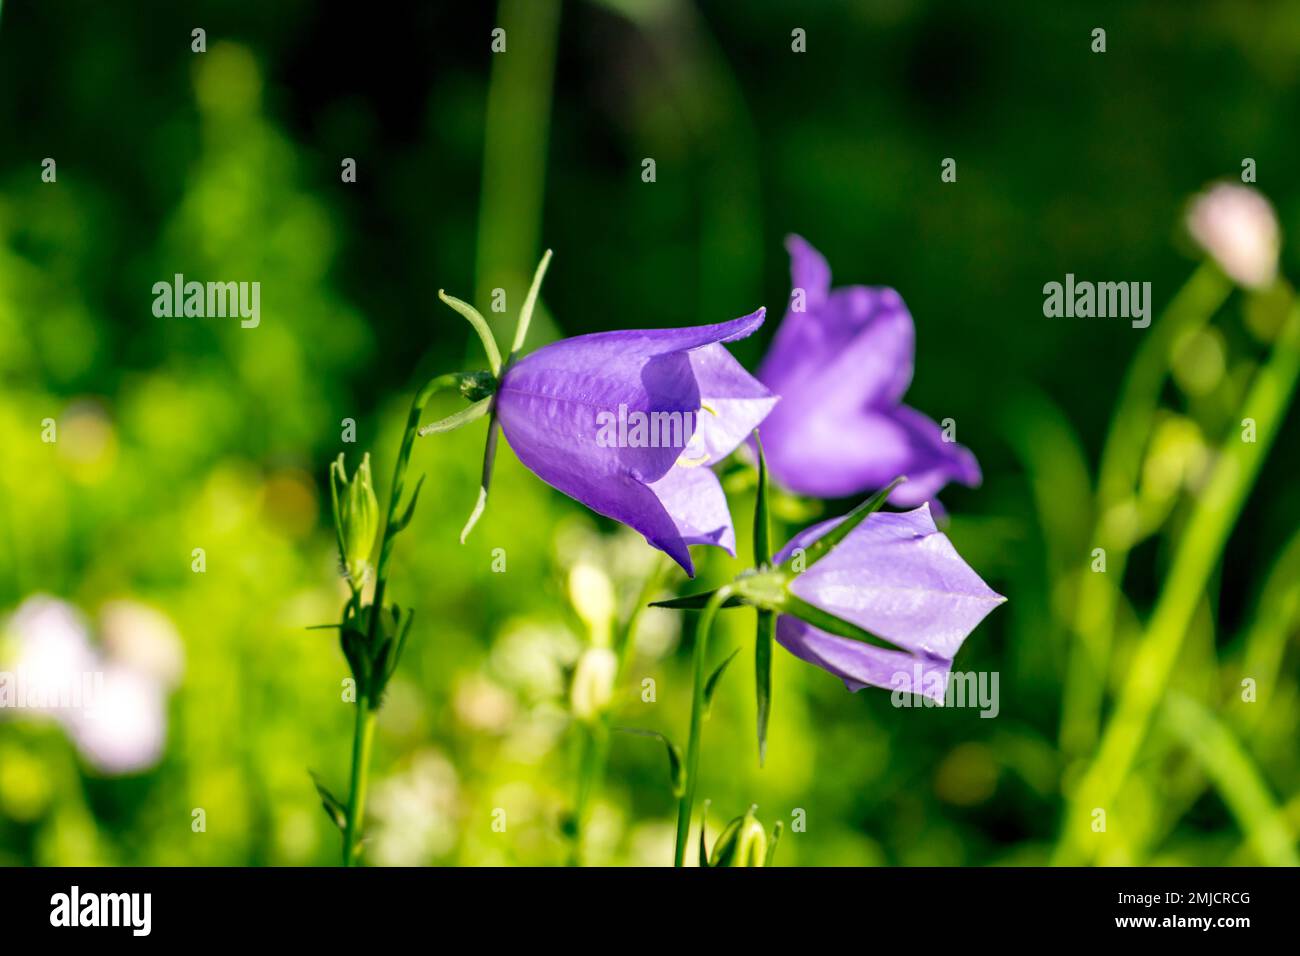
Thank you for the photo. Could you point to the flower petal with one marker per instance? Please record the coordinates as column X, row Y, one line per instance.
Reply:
column 733, row 403
column 695, row 502
column 859, row 664
column 835, row 453
column 899, row 578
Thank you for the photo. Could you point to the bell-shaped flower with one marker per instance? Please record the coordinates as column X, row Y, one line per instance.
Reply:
column 629, row 422
column 841, row 362
column 899, row 578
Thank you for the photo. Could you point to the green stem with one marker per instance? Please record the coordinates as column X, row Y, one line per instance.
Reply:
column 1197, row 553
column 686, row 805
column 364, row 731
column 1236, row 777
column 591, row 770
column 362, row 738
column 595, row 742
column 1121, row 464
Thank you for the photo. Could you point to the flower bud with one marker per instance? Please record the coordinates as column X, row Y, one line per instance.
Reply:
column 742, row 843
column 593, row 682
column 592, row 596
column 356, row 518
column 1237, row 228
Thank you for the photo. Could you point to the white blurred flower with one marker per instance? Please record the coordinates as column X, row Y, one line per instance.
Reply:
column 415, row 813
column 50, row 655
column 1237, row 227
column 592, row 595
column 111, row 703
column 126, row 728
column 593, row 682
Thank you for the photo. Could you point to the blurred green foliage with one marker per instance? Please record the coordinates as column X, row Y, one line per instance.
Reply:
column 176, row 434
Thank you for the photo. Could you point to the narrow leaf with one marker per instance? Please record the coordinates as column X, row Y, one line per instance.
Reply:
column 676, row 768
column 480, row 326
column 822, row 546
column 402, row 522
column 823, row 620
column 694, row 602
column 462, row 417
column 711, row 684
column 765, row 632
column 333, row 806
column 762, row 519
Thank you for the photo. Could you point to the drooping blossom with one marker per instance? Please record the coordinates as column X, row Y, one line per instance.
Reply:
column 898, row 577
column 629, row 422
column 841, row 362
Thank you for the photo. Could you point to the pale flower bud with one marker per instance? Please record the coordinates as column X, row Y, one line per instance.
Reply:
column 592, row 596
column 1237, row 228
column 356, row 518
column 593, row 682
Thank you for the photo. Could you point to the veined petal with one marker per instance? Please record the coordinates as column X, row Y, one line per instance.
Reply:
column 560, row 407
column 899, row 578
column 695, row 502
column 860, row 665
column 733, row 404
column 838, row 452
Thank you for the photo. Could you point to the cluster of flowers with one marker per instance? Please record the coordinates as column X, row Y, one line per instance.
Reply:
column 873, row 598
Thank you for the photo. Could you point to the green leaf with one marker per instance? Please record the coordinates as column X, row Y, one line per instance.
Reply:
column 480, row 326
column 771, row 846
column 333, row 806
column 823, row 545
column 401, row 524
column 695, row 602
column 463, row 417
column 762, row 518
column 765, row 632
column 711, row 684
column 824, row 620
column 404, row 628
column 676, row 768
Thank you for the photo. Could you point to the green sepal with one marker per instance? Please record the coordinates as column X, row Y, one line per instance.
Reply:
column 825, row 621
column 823, row 545
column 696, row 602
column 475, row 319
column 458, row 419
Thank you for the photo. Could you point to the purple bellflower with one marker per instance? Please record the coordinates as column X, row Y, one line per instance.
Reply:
column 841, row 362
column 626, row 422
column 629, row 422
column 897, row 577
